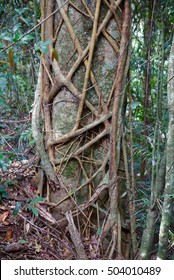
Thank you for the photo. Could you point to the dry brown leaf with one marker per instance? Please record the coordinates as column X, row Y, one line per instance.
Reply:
column 9, row 235
column 3, row 216
column 66, row 252
column 11, row 58
column 6, row 223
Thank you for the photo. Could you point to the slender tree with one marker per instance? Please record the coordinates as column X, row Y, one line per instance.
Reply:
column 169, row 184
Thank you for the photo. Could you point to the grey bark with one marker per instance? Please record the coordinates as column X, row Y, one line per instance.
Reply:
column 169, row 185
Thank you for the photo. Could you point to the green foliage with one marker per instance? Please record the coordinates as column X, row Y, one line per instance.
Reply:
column 3, row 102
column 36, row 200
column 22, row 241
column 3, row 188
column 26, row 138
column 4, row 160
column 32, row 208
column 3, row 83
column 99, row 231
column 17, row 208
column 43, row 46
column 3, row 193
column 18, row 74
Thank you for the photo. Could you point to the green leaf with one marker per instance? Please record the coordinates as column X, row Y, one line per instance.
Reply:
column 135, row 104
column 17, row 208
column 44, row 49
column 16, row 36
column 21, row 11
column 33, row 210
column 83, row 180
column 36, row 200
column 10, row 182
column 43, row 46
column 22, row 241
column 1, row 156
column 24, row 20
column 45, row 43
column 3, row 193
column 16, row 27
column 99, row 231
column 27, row 38
column 3, row 166
column 7, row 38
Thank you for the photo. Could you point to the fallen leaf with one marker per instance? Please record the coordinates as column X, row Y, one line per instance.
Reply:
column 3, row 216
column 2, row 207
column 66, row 252
column 14, row 247
column 37, row 247
column 6, row 223
column 9, row 234
column 27, row 227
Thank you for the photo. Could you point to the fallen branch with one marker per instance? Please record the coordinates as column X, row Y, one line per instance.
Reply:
column 75, row 236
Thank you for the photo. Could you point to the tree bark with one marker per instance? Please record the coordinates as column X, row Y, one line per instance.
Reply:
column 169, row 185
column 83, row 86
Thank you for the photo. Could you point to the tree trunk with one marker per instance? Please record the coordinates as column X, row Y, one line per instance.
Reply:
column 83, row 85
column 169, row 185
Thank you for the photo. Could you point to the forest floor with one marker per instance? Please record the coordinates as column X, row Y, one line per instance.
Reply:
column 25, row 230
column 24, row 233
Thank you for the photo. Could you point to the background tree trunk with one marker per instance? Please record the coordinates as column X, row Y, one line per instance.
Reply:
column 169, row 184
